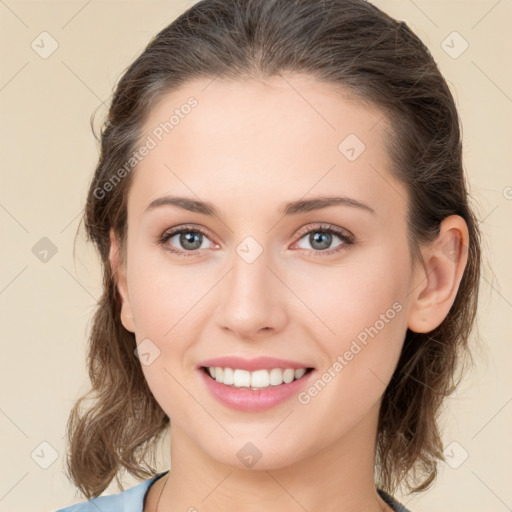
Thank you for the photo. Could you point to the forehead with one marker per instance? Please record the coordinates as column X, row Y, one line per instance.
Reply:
column 287, row 135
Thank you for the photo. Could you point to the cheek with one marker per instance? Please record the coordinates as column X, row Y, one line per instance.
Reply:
column 360, row 321
column 166, row 311
column 350, row 297
column 161, row 293
column 169, row 311
column 369, row 327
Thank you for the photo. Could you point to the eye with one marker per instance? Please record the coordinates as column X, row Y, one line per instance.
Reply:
column 320, row 239
column 190, row 238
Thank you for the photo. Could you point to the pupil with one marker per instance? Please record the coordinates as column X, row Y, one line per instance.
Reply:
column 190, row 238
column 319, row 237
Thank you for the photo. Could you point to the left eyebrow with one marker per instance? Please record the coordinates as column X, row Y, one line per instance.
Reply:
column 292, row 208
column 316, row 203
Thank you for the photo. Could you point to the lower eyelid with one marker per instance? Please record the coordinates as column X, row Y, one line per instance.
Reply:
column 346, row 240
column 164, row 239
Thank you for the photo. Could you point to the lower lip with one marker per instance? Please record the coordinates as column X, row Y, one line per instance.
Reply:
column 245, row 399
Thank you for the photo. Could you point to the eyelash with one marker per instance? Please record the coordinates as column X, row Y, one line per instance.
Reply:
column 347, row 240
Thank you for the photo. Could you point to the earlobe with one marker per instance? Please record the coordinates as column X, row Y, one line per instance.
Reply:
column 119, row 273
column 437, row 282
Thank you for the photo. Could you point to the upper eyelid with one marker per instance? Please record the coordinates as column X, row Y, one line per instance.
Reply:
column 321, row 226
column 324, row 226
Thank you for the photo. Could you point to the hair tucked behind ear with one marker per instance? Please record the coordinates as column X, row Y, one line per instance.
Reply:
column 348, row 43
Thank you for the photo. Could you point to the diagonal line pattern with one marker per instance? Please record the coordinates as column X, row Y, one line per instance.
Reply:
column 80, row 284
column 76, row 14
column 280, row 423
column 307, row 101
column 14, row 76
column 14, row 14
column 285, row 490
column 503, row 407
column 13, row 279
column 84, row 83
column 502, row 296
column 371, row 371
column 71, row 221
column 13, row 486
column 387, row 181
column 491, row 80
column 13, row 423
column 13, row 217
column 485, row 15
column 424, row 13
column 491, row 490
column 488, row 215
column 216, row 487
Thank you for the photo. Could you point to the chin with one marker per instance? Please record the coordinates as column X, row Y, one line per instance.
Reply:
column 257, row 455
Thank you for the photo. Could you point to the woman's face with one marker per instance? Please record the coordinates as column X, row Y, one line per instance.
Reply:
column 263, row 279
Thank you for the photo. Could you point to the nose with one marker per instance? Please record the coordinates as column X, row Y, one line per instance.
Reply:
column 252, row 299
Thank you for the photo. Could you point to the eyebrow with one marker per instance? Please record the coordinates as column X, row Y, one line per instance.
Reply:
column 291, row 208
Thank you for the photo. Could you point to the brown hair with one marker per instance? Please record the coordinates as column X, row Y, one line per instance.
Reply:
column 350, row 43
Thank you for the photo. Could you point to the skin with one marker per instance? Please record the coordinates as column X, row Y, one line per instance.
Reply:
column 249, row 147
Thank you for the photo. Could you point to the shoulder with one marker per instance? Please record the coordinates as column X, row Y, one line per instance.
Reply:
column 129, row 500
column 392, row 502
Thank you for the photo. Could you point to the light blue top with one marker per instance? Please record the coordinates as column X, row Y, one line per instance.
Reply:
column 129, row 500
column 132, row 500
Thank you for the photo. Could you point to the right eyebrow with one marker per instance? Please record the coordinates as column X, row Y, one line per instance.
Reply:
column 185, row 203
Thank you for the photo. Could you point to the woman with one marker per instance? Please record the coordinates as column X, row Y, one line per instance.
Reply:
column 291, row 264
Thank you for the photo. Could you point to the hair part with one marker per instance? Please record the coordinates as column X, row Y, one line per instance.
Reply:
column 350, row 44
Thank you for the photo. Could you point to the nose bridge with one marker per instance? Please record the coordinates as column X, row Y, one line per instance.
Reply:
column 250, row 274
column 250, row 299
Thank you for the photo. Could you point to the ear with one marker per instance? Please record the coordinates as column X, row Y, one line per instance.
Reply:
column 119, row 272
column 439, row 278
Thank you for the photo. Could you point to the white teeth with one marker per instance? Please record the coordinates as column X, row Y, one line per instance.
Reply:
column 255, row 380
column 260, row 379
column 300, row 372
column 241, row 378
column 276, row 376
column 288, row 375
column 228, row 376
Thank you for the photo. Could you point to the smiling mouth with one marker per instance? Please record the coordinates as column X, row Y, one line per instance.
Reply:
column 255, row 380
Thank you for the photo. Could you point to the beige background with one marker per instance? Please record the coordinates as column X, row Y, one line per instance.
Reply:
column 48, row 155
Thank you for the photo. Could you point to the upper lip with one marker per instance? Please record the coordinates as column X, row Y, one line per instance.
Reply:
column 259, row 363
